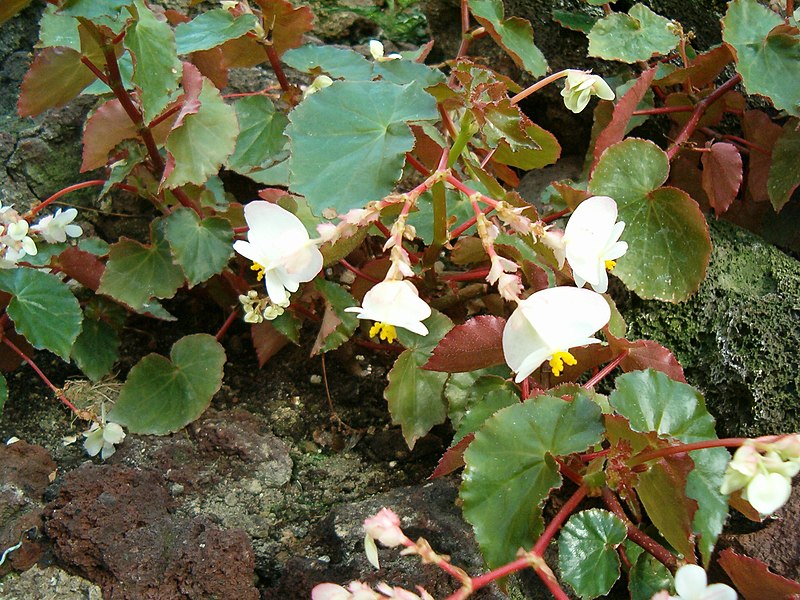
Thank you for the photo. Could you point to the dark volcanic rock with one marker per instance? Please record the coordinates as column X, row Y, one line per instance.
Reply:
column 114, row 526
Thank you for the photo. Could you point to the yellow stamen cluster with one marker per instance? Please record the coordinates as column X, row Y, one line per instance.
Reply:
column 387, row 332
column 259, row 269
column 558, row 360
column 610, row 264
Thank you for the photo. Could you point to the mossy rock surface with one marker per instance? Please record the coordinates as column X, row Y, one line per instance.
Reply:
column 738, row 338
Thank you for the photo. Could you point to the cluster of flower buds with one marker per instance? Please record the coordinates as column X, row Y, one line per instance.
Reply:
column 765, row 479
column 258, row 309
column 15, row 233
column 357, row 590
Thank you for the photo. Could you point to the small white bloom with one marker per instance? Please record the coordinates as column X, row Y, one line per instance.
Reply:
column 318, row 84
column 582, row 85
column 550, row 322
column 101, row 439
column 767, row 492
column 691, row 583
column 741, row 469
column 591, row 241
column 280, row 248
column 393, row 303
column 377, row 51
column 554, row 239
column 55, row 228
column 20, row 243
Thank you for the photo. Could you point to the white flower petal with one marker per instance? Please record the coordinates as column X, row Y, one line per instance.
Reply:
column 690, row 582
column 767, row 493
column 395, row 302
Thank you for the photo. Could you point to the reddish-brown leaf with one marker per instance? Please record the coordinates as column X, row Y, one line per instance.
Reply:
column 763, row 132
column 192, row 83
column 287, row 23
column 106, row 128
column 266, row 341
column 647, row 354
column 623, row 111
column 476, row 344
column 754, row 580
column 702, row 70
column 84, row 267
column 454, row 457
column 55, row 77
column 722, row 175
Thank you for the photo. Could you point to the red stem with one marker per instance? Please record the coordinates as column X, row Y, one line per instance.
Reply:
column 275, row 62
column 566, row 510
column 468, row 223
column 699, row 110
column 733, row 138
column 473, row 275
column 59, row 394
column 357, row 271
column 789, row 9
column 164, row 116
column 554, row 216
column 227, row 324
column 662, row 110
column 94, row 69
column 605, row 370
column 58, row 194
column 637, row 536
column 417, row 165
column 643, row 457
column 186, row 201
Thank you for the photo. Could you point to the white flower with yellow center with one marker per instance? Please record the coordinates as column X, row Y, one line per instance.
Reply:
column 550, row 322
column 393, row 303
column 279, row 246
column 582, row 85
column 591, row 242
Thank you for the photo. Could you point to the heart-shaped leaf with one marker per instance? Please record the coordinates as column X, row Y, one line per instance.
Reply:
column 767, row 52
column 261, row 141
column 722, row 175
column 587, row 551
column 648, row 577
column 162, row 395
column 42, row 308
column 639, row 35
column 202, row 248
column 511, row 470
column 651, row 401
column 668, row 241
column 339, row 63
column 349, row 141
column 97, row 348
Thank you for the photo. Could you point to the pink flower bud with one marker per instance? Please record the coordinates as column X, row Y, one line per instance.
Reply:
column 385, row 527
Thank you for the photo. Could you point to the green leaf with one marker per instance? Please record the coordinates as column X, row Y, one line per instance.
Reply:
column 540, row 150
column 96, row 349
column 200, row 145
column 349, row 141
column 511, row 470
column 261, row 141
column 202, row 248
column 514, row 35
column 784, row 171
column 415, row 396
column 422, row 345
column 3, row 393
column 94, row 9
column 648, row 577
column 211, row 29
column 162, row 395
column 639, row 35
column 337, row 325
column 43, row 309
column 574, row 21
column 651, row 401
column 57, row 29
column 767, row 52
column 403, row 72
column 135, row 272
column 157, row 69
column 485, row 397
column 668, row 241
column 339, row 63
column 587, row 551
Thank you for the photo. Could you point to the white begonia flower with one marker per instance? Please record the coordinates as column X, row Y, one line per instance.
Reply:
column 101, row 439
column 767, row 492
column 55, row 228
column 393, row 303
column 582, row 85
column 691, row 583
column 550, row 322
column 377, row 51
column 18, row 232
column 280, row 248
column 318, row 84
column 591, row 241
